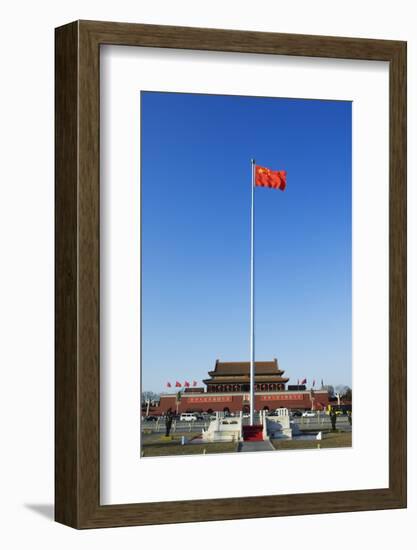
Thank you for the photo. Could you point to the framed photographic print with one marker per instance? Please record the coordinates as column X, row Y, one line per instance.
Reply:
column 230, row 274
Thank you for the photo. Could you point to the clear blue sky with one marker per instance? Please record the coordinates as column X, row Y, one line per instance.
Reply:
column 195, row 177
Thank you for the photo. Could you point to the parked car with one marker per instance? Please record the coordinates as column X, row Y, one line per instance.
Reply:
column 188, row 417
column 151, row 418
column 296, row 413
column 309, row 414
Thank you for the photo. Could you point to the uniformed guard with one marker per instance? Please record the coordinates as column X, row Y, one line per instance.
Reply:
column 168, row 422
column 333, row 418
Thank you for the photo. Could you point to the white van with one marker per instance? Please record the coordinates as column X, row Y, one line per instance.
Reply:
column 188, row 417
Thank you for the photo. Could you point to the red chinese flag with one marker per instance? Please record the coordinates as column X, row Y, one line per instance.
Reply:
column 274, row 179
column 186, row 384
column 304, row 381
column 168, row 384
column 194, row 383
column 177, row 385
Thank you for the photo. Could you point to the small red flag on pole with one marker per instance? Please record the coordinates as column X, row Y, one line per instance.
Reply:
column 186, row 384
column 168, row 384
column 304, row 381
column 177, row 384
column 194, row 383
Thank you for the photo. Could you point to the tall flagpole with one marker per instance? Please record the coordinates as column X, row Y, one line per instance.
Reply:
column 252, row 299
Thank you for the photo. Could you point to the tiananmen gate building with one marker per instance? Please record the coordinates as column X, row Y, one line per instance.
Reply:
column 228, row 391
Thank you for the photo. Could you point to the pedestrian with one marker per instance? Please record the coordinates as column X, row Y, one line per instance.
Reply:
column 349, row 415
column 333, row 418
column 168, row 422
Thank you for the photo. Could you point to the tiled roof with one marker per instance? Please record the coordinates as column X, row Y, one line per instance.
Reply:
column 273, row 378
column 243, row 367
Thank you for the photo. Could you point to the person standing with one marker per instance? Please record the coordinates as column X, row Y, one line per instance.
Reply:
column 168, row 422
column 333, row 418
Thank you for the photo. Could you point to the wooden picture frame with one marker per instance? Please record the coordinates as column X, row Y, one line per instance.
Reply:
column 77, row 382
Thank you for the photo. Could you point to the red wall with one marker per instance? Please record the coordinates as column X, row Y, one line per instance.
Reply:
column 235, row 402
